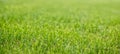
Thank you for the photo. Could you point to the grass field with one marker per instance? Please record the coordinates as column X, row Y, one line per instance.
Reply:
column 59, row 26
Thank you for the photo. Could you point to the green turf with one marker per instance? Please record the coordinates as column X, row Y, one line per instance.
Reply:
column 59, row 26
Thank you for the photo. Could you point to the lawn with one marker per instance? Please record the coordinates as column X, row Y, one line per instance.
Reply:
column 59, row 26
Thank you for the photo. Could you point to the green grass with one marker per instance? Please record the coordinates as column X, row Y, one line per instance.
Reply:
column 59, row 27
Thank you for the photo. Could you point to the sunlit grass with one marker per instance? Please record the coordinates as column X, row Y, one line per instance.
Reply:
column 59, row 27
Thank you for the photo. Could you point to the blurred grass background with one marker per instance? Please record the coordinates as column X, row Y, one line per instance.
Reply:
column 59, row 27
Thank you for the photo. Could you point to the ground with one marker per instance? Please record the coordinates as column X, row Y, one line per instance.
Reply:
column 59, row 27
